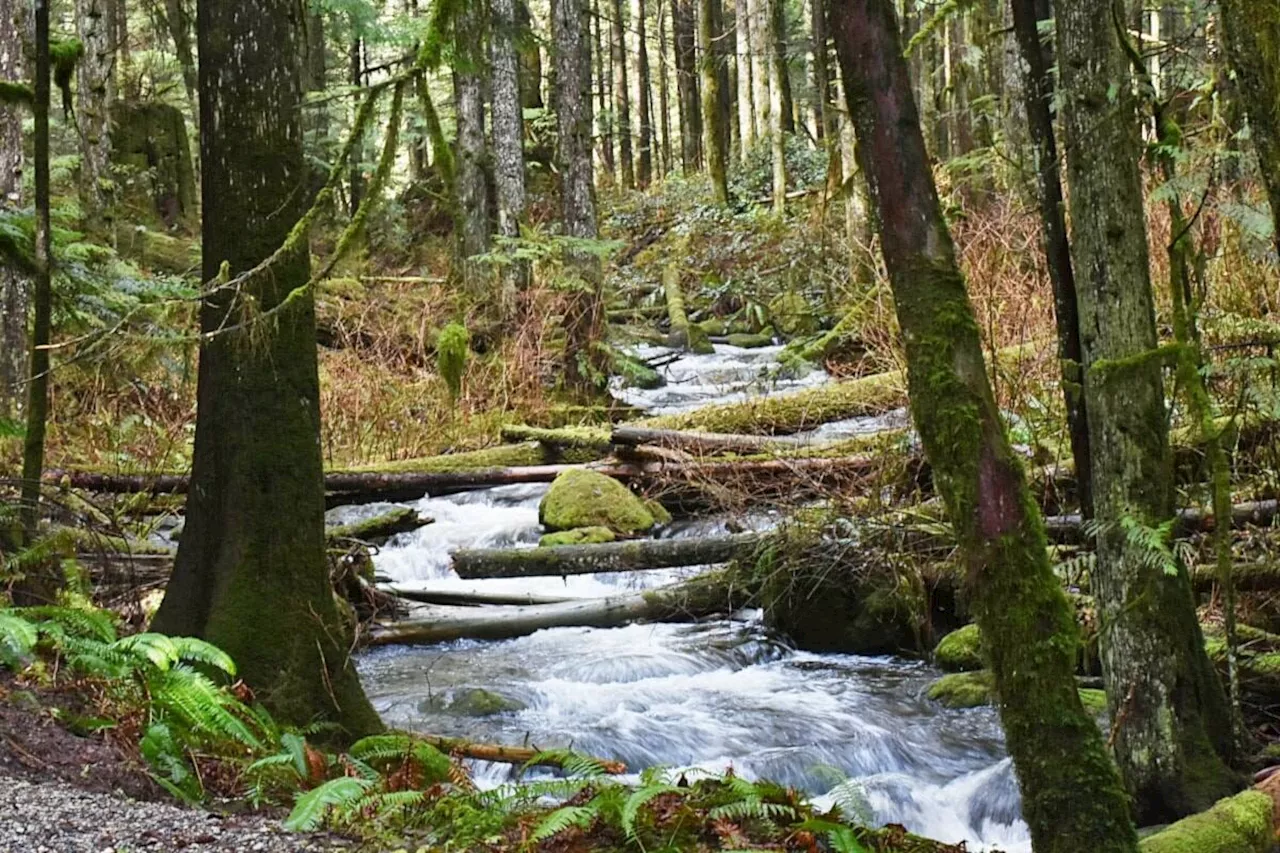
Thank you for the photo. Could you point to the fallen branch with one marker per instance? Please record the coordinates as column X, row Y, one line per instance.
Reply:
column 707, row 442
column 471, row 597
column 380, row 527
column 630, row 556
column 508, row 754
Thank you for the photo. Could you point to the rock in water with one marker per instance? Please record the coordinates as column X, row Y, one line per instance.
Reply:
column 581, row 498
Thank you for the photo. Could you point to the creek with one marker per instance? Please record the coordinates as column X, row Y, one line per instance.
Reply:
column 706, row 696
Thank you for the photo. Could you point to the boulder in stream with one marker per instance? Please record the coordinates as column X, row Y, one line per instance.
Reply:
column 582, row 498
column 960, row 651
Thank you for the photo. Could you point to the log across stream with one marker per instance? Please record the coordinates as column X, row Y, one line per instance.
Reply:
column 708, row 693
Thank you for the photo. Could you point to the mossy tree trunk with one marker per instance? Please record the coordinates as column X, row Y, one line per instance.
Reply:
column 508, row 148
column 1252, row 35
column 1037, row 88
column 14, row 283
column 1168, row 708
column 178, row 18
column 664, row 91
column 250, row 574
column 584, row 314
column 96, row 91
column 688, row 85
column 468, row 86
column 1071, row 795
column 715, row 129
column 644, row 90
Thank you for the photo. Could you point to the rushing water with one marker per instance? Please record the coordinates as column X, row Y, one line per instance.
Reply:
column 709, row 695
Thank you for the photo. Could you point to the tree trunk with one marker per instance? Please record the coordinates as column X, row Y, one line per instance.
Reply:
column 824, row 116
column 761, row 51
column 779, row 110
column 664, row 89
column 468, row 88
column 529, row 56
column 95, row 86
column 1071, row 796
column 14, row 283
column 41, row 583
column 688, row 85
column 508, row 150
column 604, row 88
column 781, row 62
column 251, row 574
column 644, row 95
column 621, row 95
column 746, row 88
column 1162, row 692
column 355, row 70
column 178, row 16
column 1037, row 87
column 1251, row 30
column 584, row 315
column 716, row 139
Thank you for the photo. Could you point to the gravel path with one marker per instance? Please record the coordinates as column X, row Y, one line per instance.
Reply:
column 54, row 817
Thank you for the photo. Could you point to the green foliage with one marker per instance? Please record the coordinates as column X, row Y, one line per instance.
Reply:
column 20, row 94
column 337, row 794
column 1155, row 546
column 452, row 347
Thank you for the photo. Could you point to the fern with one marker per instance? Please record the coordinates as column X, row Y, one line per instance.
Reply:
column 573, row 763
column 564, row 818
column 310, row 808
column 753, row 809
column 637, row 800
column 18, row 639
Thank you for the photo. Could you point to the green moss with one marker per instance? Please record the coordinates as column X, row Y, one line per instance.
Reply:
column 499, row 456
column 1239, row 824
column 1094, row 701
column 475, row 702
column 963, row 689
column 578, row 536
column 791, row 315
column 16, row 93
column 636, row 373
column 749, row 341
column 658, row 511
column 960, row 651
column 452, row 347
column 582, row 498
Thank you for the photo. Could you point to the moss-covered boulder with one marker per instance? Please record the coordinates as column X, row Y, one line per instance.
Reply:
column 1244, row 823
column 636, row 373
column 658, row 511
column 963, row 689
column 473, row 702
column 792, row 315
column 960, row 651
column 577, row 536
column 582, row 498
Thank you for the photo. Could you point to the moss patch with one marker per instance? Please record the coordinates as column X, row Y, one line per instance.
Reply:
column 475, row 702
column 1239, row 824
column 749, row 341
column 581, row 498
column 963, row 689
column 791, row 315
column 960, row 651
column 578, row 536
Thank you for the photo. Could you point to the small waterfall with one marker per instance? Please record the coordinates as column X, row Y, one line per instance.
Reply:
column 707, row 696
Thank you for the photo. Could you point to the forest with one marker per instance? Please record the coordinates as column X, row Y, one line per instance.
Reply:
column 540, row 426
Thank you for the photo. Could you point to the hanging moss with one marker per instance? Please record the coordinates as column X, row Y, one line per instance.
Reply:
column 64, row 55
column 452, row 347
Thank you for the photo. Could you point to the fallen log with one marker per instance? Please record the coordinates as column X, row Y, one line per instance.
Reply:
column 584, row 438
column 379, row 528
column 508, row 754
column 693, row 599
column 1069, row 529
column 471, row 597
column 684, row 335
column 707, row 442
column 629, row 556
column 1244, row 823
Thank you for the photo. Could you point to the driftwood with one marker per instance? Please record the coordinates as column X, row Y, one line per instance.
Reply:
column 633, row 555
column 471, row 597
column 506, row 754
column 693, row 599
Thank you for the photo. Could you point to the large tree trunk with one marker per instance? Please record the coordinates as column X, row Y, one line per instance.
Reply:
column 688, row 85
column 1162, row 691
column 251, row 574
column 746, row 88
column 1071, row 796
column 715, row 130
column 1037, row 87
column 1252, row 36
column 621, row 95
column 95, row 86
column 664, row 89
column 14, row 283
column 529, row 57
column 469, row 85
column 644, row 92
column 508, row 149
column 584, row 315
column 779, row 109
column 780, row 60
column 824, row 115
column 761, row 51
column 41, row 583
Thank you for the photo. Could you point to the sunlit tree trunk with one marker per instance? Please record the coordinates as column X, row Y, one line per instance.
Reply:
column 251, row 574
column 746, row 91
column 715, row 136
column 603, row 87
column 14, row 283
column 508, row 147
column 622, row 96
column 1071, row 796
column 761, row 53
column 178, row 17
column 779, row 110
column 688, row 85
column 823, row 113
column 1037, row 87
column 468, row 87
column 781, row 62
column 96, row 90
column 644, row 91
column 1168, row 710
column 664, row 89
column 1252, row 36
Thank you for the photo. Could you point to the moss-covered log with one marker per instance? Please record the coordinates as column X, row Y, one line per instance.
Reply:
column 594, row 439
column 693, row 599
column 503, row 754
column 633, row 555
column 470, row 597
column 379, row 528
column 1244, row 823
column 707, row 442
column 684, row 335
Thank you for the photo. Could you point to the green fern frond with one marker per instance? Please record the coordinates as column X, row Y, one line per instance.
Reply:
column 18, row 639
column 97, row 625
column 309, row 809
column 573, row 763
column 200, row 704
column 564, row 818
column 753, row 809
column 637, row 800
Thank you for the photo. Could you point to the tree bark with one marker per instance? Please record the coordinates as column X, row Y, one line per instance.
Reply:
column 604, row 89
column 1162, row 691
column 506, row 754
column 1071, row 796
column 746, row 87
column 529, row 57
column 824, row 115
column 96, row 90
column 469, row 85
column 688, row 86
column 508, row 150
column 15, row 284
column 779, row 109
column 781, row 62
column 178, row 18
column 644, row 91
column 621, row 95
column 664, row 89
column 715, row 136
column 584, row 316
column 1037, row 87
column 635, row 555
column 1251, row 30
column 251, row 574
column 761, row 53
column 355, row 72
